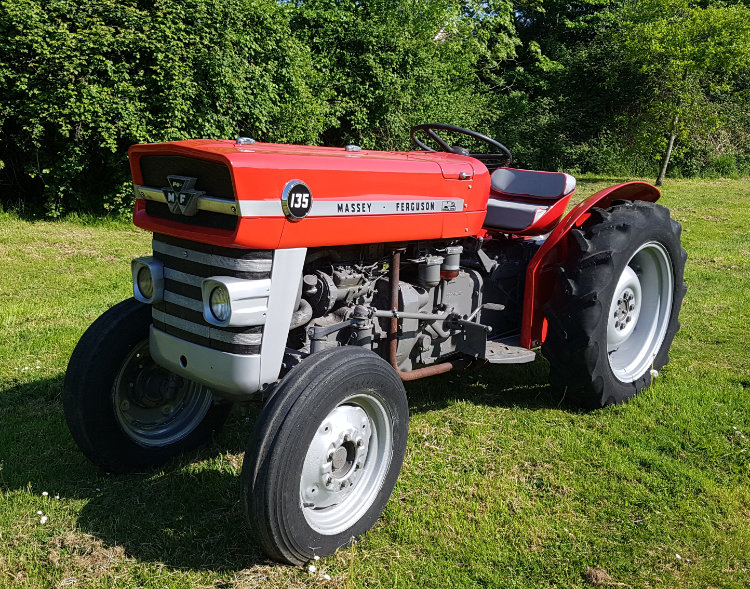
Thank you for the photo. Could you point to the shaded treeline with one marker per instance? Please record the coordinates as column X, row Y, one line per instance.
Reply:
column 586, row 86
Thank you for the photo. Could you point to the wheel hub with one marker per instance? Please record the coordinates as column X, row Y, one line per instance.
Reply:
column 624, row 310
column 155, row 407
column 334, row 461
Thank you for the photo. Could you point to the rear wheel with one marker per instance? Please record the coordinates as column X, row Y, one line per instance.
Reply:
column 124, row 411
column 614, row 311
column 325, row 454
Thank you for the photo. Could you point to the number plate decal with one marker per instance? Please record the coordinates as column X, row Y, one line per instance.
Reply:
column 296, row 200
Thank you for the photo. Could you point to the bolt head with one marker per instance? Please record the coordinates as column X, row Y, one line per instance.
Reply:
column 627, row 319
column 166, row 410
column 125, row 405
column 360, row 442
column 617, row 324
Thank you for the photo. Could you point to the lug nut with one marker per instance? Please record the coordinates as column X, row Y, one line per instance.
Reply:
column 360, row 442
column 125, row 405
column 329, row 481
column 166, row 410
column 617, row 324
column 347, row 437
column 627, row 320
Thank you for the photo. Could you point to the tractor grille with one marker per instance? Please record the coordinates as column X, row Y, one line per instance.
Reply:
column 213, row 178
column 186, row 264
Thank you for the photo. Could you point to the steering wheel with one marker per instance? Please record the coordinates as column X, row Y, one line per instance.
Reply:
column 501, row 159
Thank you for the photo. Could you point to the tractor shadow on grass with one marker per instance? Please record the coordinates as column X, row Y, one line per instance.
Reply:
column 519, row 386
column 186, row 516
column 189, row 515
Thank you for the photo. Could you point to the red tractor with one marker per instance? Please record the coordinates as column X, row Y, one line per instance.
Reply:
column 319, row 279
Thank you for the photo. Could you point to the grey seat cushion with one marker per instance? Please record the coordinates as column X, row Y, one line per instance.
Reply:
column 532, row 184
column 507, row 215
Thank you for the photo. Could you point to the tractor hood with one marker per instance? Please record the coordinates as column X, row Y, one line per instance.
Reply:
column 268, row 196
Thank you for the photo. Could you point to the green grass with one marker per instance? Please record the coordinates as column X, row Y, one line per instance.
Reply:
column 504, row 484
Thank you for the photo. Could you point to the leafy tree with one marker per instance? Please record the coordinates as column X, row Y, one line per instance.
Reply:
column 687, row 55
column 81, row 81
column 395, row 63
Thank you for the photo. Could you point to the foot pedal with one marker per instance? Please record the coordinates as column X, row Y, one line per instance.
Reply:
column 500, row 353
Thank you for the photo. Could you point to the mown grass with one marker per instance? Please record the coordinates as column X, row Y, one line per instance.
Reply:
column 504, row 484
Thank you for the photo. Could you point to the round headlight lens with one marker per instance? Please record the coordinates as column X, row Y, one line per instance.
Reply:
column 145, row 282
column 219, row 301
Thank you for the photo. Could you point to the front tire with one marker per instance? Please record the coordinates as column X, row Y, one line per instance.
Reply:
column 614, row 310
column 325, row 454
column 126, row 413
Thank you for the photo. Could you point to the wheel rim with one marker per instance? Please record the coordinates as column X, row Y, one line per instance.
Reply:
column 639, row 312
column 155, row 407
column 346, row 463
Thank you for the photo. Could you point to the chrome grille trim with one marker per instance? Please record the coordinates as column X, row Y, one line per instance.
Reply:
column 212, row 259
column 205, row 203
column 186, row 265
column 178, row 276
column 206, row 331
column 182, row 301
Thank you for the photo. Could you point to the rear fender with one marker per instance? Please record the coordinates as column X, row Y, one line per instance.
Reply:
column 539, row 273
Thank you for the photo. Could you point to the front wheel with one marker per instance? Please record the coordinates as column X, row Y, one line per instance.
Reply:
column 614, row 310
column 126, row 413
column 325, row 454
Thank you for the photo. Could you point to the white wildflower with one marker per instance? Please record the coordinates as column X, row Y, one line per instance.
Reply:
column 316, row 557
column 734, row 427
column 39, row 513
column 678, row 557
column 24, row 369
column 312, row 568
column 327, row 577
column 57, row 496
column 654, row 373
column 43, row 519
column 38, row 367
column 45, row 494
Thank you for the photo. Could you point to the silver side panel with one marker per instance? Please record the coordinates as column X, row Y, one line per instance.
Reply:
column 285, row 281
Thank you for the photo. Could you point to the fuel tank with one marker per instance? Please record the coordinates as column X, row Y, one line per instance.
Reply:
column 269, row 196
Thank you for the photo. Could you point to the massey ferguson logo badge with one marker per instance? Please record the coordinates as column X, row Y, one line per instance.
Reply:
column 182, row 198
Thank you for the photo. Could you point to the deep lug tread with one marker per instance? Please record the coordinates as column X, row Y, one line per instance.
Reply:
column 576, row 311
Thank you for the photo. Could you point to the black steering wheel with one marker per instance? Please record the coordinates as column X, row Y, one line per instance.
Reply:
column 491, row 160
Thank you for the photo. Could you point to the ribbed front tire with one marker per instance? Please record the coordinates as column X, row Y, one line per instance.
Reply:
column 325, row 454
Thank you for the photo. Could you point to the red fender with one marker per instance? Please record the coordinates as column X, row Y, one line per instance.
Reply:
column 539, row 274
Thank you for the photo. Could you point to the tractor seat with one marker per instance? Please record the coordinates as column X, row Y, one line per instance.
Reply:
column 519, row 198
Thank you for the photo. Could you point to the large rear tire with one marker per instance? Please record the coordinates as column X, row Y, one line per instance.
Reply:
column 126, row 413
column 325, row 454
column 614, row 310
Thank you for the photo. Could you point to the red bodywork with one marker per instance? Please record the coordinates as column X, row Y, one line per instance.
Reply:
column 260, row 171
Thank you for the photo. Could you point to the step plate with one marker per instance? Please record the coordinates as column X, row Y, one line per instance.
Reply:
column 499, row 353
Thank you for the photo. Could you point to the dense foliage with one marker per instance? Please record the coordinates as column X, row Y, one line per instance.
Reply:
column 592, row 85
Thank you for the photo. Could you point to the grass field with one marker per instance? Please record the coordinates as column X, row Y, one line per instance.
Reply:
column 504, row 484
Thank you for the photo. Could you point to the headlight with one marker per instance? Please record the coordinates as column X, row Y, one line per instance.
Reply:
column 145, row 282
column 148, row 280
column 235, row 302
column 220, row 304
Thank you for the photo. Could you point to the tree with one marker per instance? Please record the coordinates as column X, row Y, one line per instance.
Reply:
column 687, row 54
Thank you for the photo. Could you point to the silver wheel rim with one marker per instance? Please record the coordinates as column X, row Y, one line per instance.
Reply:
column 639, row 312
column 154, row 407
column 346, row 463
